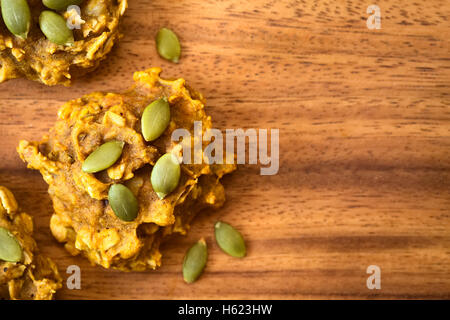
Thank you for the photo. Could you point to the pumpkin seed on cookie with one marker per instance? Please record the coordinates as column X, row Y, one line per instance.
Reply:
column 165, row 175
column 123, row 202
column 155, row 119
column 17, row 17
column 10, row 249
column 103, row 157
column 54, row 27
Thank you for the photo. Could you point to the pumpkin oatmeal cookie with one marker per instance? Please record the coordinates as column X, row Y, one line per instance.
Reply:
column 36, row 43
column 117, row 187
column 24, row 273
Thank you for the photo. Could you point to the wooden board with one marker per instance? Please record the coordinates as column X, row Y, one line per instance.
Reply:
column 364, row 119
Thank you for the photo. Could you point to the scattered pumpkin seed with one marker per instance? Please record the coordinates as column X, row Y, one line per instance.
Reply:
column 168, row 45
column 155, row 119
column 17, row 17
column 103, row 157
column 165, row 175
column 60, row 5
column 123, row 202
column 195, row 261
column 55, row 28
column 10, row 249
column 229, row 239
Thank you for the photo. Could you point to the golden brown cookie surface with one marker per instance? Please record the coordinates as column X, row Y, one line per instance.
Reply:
column 34, row 276
column 83, row 218
column 38, row 59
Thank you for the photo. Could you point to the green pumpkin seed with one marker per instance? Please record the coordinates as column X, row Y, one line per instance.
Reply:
column 155, row 119
column 55, row 28
column 60, row 5
column 195, row 261
column 123, row 202
column 17, row 17
column 10, row 249
column 229, row 239
column 168, row 45
column 165, row 175
column 103, row 157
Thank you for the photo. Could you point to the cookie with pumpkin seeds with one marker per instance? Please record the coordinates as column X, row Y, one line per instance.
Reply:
column 114, row 176
column 55, row 41
column 24, row 273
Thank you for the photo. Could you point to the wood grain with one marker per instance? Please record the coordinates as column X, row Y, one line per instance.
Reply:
column 364, row 119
